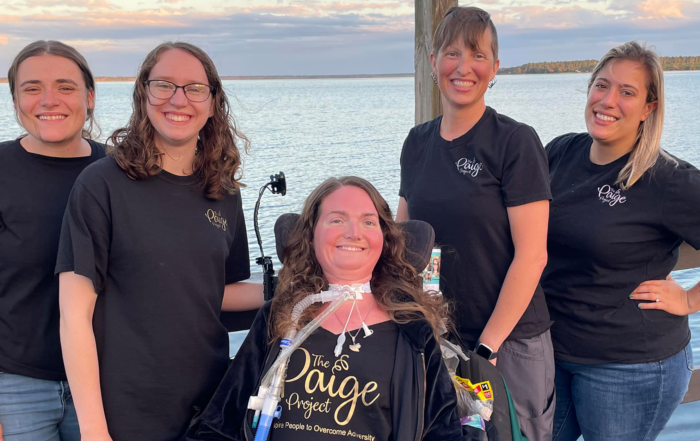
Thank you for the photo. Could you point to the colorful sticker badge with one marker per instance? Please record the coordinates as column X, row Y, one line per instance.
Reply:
column 431, row 274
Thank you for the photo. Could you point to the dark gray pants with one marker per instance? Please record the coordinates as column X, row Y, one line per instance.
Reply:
column 528, row 367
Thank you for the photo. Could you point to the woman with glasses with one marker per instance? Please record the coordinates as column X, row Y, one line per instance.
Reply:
column 53, row 92
column 152, row 247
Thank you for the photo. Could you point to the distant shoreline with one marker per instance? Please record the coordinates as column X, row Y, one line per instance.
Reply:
column 267, row 77
column 670, row 64
column 526, row 69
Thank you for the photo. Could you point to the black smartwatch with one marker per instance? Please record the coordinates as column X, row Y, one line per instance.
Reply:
column 485, row 351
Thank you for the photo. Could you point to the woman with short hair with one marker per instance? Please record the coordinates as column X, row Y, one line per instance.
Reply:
column 621, row 208
column 53, row 92
column 480, row 179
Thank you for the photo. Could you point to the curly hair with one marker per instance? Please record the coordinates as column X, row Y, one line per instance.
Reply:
column 396, row 285
column 216, row 166
column 59, row 49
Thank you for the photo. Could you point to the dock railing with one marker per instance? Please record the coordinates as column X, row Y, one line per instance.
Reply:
column 688, row 259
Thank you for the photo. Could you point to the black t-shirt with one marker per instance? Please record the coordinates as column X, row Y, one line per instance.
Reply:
column 34, row 190
column 159, row 254
column 463, row 189
column 603, row 242
column 348, row 397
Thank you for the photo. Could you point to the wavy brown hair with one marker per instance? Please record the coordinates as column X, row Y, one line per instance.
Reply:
column 59, row 49
column 396, row 285
column 217, row 164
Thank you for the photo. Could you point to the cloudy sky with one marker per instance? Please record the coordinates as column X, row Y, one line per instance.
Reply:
column 303, row 37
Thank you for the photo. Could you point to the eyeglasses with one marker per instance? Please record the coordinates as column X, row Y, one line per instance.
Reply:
column 195, row 92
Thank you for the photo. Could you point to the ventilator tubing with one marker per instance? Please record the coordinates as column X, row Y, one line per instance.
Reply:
column 270, row 391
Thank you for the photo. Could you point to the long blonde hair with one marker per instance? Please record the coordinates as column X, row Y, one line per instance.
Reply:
column 647, row 147
column 396, row 285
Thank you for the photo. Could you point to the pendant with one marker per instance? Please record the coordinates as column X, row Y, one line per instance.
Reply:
column 355, row 347
column 339, row 345
column 366, row 330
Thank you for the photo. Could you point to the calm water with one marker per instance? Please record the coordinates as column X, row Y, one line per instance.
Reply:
column 313, row 129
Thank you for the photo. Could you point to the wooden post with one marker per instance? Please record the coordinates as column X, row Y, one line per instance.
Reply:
column 690, row 258
column 427, row 96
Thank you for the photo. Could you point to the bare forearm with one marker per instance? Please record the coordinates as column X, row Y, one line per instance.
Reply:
column 402, row 211
column 516, row 293
column 80, row 358
column 77, row 298
column 242, row 296
column 694, row 299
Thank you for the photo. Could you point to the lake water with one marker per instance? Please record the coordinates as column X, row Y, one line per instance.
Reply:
column 313, row 129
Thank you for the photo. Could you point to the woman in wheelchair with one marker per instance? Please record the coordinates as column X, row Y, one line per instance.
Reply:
column 373, row 369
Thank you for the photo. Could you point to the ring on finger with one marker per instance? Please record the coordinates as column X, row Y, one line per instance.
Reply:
column 657, row 298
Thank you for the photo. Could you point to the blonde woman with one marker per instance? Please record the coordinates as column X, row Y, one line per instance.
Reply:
column 621, row 207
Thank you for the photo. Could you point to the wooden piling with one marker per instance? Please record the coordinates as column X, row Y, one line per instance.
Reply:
column 690, row 258
column 428, row 15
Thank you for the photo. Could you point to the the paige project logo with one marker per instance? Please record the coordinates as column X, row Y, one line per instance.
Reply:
column 216, row 219
column 469, row 167
column 610, row 196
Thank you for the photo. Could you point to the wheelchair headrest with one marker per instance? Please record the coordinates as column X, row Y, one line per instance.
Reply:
column 419, row 235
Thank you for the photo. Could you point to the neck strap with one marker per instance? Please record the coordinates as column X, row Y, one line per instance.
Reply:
column 357, row 288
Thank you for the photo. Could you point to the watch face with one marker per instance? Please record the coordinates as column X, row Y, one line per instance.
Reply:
column 484, row 351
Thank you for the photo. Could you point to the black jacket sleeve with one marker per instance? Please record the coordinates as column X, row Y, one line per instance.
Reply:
column 224, row 416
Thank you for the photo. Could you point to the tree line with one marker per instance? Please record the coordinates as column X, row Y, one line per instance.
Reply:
column 669, row 63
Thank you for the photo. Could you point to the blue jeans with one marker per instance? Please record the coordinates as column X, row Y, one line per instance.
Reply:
column 619, row 402
column 36, row 410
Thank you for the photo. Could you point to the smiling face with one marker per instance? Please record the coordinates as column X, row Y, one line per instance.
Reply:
column 51, row 99
column 617, row 104
column 348, row 238
column 177, row 121
column 464, row 73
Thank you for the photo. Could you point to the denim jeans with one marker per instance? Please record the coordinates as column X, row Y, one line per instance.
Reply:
column 619, row 402
column 36, row 410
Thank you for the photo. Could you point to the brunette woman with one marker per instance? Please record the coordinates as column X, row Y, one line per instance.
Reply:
column 480, row 179
column 622, row 206
column 152, row 246
column 385, row 382
column 53, row 92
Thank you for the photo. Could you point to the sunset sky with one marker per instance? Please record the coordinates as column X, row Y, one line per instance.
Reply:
column 302, row 37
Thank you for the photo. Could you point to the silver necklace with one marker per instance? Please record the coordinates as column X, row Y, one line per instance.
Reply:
column 355, row 347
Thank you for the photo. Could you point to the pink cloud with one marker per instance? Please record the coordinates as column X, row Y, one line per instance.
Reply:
column 85, row 4
column 323, row 9
column 347, row 7
column 3, row 40
column 646, row 14
column 662, row 9
column 9, row 19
